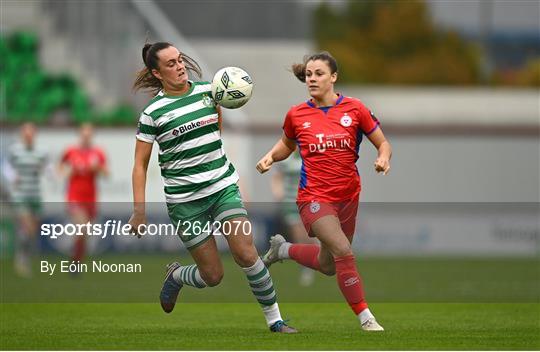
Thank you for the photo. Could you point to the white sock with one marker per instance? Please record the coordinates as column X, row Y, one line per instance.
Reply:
column 271, row 313
column 365, row 315
column 283, row 252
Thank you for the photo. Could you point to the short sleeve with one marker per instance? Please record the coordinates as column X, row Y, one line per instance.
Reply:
column 368, row 122
column 288, row 127
column 146, row 129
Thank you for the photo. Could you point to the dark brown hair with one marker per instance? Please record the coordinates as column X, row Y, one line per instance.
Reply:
column 146, row 79
column 299, row 70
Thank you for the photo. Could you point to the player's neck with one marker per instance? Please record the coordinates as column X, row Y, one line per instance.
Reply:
column 176, row 91
column 326, row 100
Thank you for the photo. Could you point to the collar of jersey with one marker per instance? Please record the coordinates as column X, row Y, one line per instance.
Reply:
column 325, row 108
column 192, row 86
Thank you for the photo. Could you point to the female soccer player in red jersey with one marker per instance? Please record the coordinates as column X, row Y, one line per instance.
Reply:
column 328, row 129
column 83, row 164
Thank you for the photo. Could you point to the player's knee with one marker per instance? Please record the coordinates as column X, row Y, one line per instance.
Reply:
column 212, row 278
column 245, row 255
column 246, row 258
column 342, row 250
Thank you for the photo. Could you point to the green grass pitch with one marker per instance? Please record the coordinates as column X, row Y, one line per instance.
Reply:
column 434, row 304
column 240, row 326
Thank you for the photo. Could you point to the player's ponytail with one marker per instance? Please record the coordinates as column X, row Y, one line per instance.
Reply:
column 299, row 70
column 145, row 49
column 145, row 78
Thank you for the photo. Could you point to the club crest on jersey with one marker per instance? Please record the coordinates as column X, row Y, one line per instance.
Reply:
column 208, row 101
column 346, row 120
column 314, row 207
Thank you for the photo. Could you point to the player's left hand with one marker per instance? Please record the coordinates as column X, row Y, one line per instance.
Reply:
column 382, row 165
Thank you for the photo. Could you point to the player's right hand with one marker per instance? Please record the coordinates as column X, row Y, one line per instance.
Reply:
column 265, row 164
column 135, row 221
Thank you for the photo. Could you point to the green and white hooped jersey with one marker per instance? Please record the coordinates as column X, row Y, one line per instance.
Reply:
column 191, row 155
column 28, row 165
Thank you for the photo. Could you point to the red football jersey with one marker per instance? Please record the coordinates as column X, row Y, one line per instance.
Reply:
column 329, row 140
column 82, row 181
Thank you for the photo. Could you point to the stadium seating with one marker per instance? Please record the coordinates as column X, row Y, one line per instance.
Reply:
column 28, row 93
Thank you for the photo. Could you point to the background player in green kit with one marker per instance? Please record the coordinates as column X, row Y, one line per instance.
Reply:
column 285, row 188
column 28, row 163
column 200, row 183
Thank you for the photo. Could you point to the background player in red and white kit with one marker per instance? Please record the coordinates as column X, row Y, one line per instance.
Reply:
column 328, row 129
column 82, row 163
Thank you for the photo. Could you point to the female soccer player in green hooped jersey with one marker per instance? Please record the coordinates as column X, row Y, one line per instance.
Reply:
column 200, row 183
column 28, row 162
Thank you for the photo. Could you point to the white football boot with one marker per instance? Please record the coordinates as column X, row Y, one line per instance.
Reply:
column 272, row 255
column 371, row 325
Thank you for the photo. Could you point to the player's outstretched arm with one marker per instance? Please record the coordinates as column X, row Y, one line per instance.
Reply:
column 143, row 151
column 382, row 163
column 281, row 151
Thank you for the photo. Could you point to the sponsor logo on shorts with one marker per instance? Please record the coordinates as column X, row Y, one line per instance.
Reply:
column 314, row 207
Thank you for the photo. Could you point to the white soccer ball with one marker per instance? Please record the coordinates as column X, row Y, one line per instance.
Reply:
column 231, row 87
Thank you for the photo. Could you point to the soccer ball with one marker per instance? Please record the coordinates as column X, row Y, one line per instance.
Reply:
column 231, row 87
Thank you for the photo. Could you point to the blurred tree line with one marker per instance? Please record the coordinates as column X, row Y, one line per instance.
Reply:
column 393, row 41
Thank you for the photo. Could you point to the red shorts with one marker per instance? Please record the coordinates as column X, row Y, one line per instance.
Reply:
column 345, row 211
column 88, row 208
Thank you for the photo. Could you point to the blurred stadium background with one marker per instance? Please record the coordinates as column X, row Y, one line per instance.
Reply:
column 455, row 85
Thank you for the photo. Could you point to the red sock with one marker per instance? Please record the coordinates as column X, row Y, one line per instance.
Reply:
column 79, row 248
column 350, row 283
column 306, row 255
